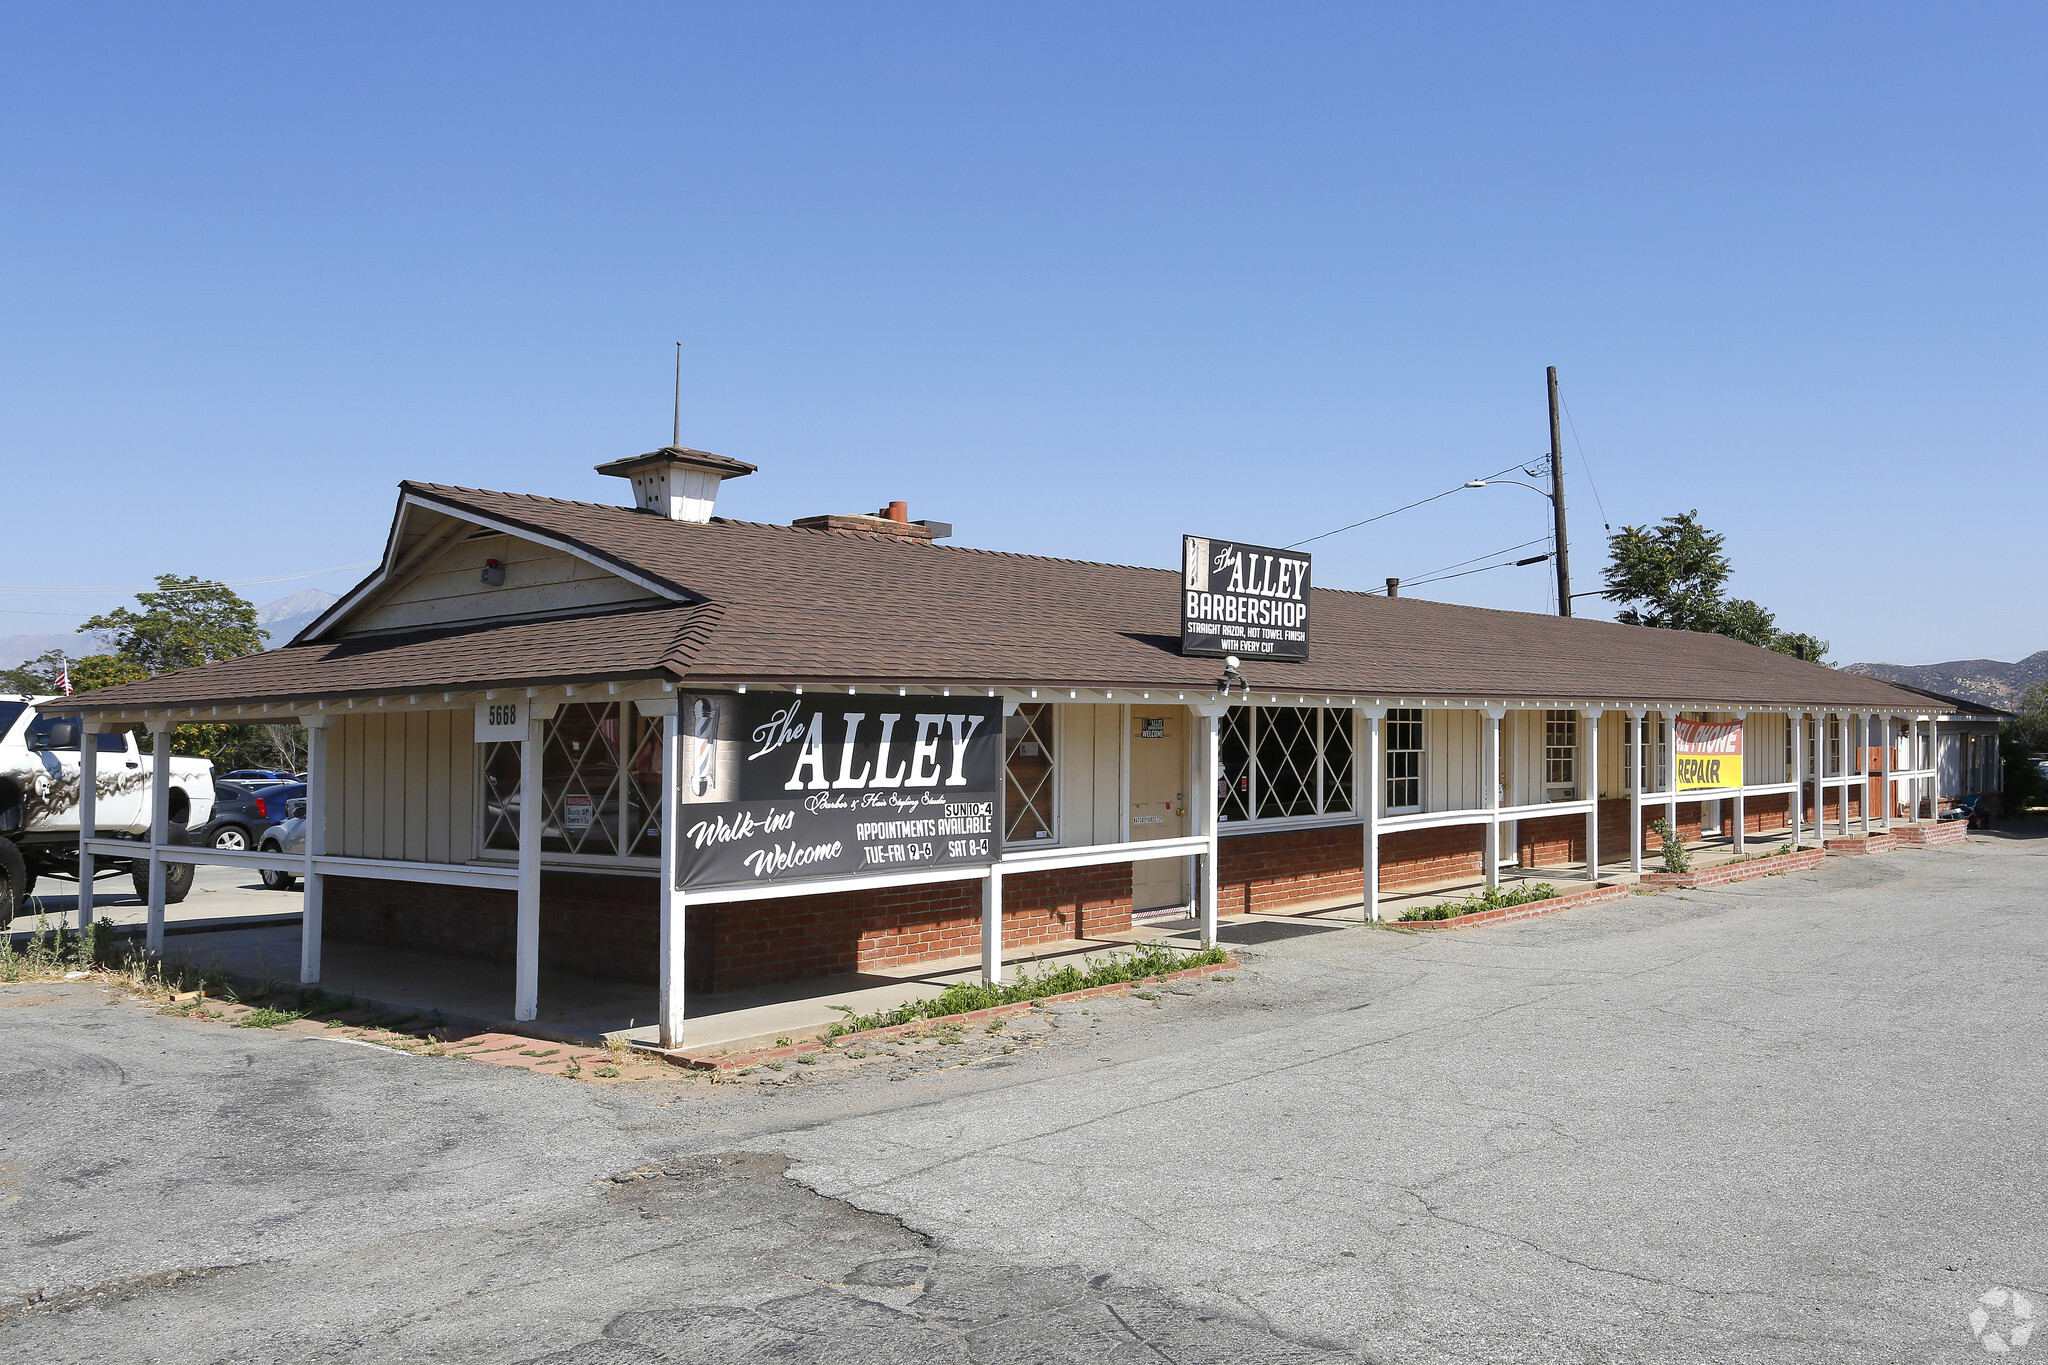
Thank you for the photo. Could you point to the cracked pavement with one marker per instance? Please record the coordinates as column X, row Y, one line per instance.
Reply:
column 1799, row 1118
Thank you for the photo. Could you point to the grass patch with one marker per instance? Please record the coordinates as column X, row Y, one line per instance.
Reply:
column 1491, row 898
column 964, row 997
column 266, row 1017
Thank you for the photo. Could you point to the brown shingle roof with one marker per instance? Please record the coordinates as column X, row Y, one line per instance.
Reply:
column 646, row 643
column 797, row 605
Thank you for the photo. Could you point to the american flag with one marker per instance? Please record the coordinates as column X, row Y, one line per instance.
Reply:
column 63, row 676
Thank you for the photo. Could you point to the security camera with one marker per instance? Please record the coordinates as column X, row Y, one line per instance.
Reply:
column 1230, row 662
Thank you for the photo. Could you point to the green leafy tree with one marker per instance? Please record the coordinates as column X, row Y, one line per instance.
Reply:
column 38, row 677
column 184, row 623
column 1670, row 576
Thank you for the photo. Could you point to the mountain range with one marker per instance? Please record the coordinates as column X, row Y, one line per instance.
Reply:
column 1986, row 681
column 283, row 618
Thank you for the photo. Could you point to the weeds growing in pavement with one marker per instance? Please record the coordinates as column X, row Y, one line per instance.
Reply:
column 1672, row 849
column 964, row 997
column 266, row 1017
column 1491, row 898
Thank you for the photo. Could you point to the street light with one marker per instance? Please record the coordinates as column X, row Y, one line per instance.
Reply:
column 1556, row 500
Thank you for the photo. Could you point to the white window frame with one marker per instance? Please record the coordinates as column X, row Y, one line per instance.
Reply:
column 1325, row 790
column 1574, row 753
column 1057, row 832
column 1421, row 752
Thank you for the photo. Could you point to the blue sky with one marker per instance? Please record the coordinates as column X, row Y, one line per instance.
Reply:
column 1077, row 279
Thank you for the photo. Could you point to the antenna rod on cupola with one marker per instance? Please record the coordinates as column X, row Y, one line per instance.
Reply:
column 677, row 438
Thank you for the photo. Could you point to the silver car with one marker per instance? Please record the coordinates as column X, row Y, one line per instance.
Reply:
column 287, row 836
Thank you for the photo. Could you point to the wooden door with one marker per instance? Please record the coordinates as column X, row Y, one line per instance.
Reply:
column 1159, row 804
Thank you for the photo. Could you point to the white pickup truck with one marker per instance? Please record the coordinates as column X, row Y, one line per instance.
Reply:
column 39, row 765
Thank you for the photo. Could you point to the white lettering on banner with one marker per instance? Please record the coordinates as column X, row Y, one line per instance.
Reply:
column 846, row 777
column 775, row 858
column 960, row 746
column 924, row 751
column 780, row 728
column 812, row 757
column 883, row 777
column 743, row 825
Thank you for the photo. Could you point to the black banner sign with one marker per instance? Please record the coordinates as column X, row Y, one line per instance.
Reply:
column 778, row 787
column 1246, row 600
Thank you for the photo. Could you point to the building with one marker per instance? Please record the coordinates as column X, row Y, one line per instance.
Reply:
column 505, row 635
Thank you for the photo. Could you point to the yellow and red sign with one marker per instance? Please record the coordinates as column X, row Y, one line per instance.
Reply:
column 1708, row 754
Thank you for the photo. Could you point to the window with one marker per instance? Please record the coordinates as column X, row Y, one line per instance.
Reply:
column 1404, row 760
column 1283, row 762
column 1561, row 755
column 36, row 736
column 1660, row 757
column 1835, row 745
column 1787, row 774
column 1028, row 754
column 600, row 784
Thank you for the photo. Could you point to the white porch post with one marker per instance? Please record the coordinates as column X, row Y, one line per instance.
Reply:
column 526, row 937
column 992, row 927
column 1842, row 796
column 674, row 907
column 1591, row 786
column 1933, row 769
column 1492, row 780
column 1667, row 725
column 1741, row 809
column 310, row 925
column 1863, row 771
column 159, row 828
column 88, row 814
column 1796, row 725
column 1209, row 735
column 1369, row 808
column 1890, row 798
column 1641, row 764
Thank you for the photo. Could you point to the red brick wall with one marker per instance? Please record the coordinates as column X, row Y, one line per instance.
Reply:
column 1291, row 867
column 609, row 926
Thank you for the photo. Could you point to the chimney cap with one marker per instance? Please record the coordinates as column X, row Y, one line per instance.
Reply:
column 722, row 465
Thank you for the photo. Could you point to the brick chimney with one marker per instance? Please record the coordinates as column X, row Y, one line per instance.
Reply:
column 677, row 482
column 892, row 521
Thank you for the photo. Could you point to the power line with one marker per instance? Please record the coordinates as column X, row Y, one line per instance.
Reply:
column 1426, row 576
column 192, row 587
column 1584, row 463
column 1397, row 511
column 1484, row 568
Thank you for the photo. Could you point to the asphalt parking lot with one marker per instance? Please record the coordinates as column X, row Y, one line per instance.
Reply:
column 1796, row 1119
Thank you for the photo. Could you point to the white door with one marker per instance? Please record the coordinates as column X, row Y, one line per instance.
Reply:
column 1159, row 805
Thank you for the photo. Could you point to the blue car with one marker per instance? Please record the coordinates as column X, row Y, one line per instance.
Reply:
column 242, row 812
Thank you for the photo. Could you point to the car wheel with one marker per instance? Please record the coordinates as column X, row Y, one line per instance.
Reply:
column 276, row 881
column 177, row 876
column 231, row 839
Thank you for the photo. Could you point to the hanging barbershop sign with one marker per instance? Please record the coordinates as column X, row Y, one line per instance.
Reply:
column 1708, row 754
column 778, row 787
column 1246, row 600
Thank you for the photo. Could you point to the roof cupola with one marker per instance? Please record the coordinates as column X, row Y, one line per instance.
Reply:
column 677, row 482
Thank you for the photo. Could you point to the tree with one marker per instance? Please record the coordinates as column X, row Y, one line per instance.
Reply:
column 2031, row 728
column 1672, row 574
column 184, row 623
column 38, row 677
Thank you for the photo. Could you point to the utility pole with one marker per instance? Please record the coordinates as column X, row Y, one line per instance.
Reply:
column 1564, row 562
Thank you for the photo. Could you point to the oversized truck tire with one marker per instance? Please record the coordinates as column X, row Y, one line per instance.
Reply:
column 14, row 882
column 177, row 876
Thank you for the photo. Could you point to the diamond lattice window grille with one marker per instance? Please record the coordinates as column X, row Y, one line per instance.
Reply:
column 601, row 781
column 1287, row 762
column 1029, row 771
column 501, row 796
column 1337, row 760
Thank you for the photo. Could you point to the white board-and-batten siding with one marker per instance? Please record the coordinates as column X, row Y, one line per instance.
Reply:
column 404, row 787
column 449, row 589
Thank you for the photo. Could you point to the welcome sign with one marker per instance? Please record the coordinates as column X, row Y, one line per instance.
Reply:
column 1247, row 600
column 1708, row 754
column 778, row 786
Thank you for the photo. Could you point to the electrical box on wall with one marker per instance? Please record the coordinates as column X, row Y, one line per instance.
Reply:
column 504, row 719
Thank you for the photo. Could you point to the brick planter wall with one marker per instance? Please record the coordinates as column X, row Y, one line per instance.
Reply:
column 1930, row 836
column 1738, row 872
column 1856, row 843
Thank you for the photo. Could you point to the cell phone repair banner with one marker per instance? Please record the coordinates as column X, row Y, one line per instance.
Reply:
column 1247, row 600
column 1708, row 754
column 777, row 786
